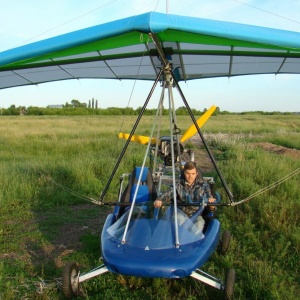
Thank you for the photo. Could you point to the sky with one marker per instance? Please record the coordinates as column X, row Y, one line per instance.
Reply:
column 24, row 22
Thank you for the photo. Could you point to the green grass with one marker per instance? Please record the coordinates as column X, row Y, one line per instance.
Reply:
column 42, row 226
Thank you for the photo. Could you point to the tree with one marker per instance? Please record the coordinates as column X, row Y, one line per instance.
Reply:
column 76, row 103
column 217, row 111
column 12, row 110
column 181, row 111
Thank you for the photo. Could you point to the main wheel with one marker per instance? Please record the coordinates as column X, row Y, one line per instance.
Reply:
column 225, row 242
column 70, row 283
column 229, row 284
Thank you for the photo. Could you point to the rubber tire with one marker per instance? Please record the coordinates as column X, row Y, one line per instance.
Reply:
column 225, row 242
column 229, row 284
column 70, row 285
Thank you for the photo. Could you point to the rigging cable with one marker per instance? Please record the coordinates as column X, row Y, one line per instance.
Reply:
column 67, row 22
column 136, row 78
column 97, row 202
column 274, row 184
column 268, row 12
column 80, row 16
column 72, row 192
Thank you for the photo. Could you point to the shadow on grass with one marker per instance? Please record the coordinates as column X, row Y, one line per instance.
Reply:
column 61, row 231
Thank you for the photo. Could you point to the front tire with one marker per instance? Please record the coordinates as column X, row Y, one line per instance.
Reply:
column 70, row 283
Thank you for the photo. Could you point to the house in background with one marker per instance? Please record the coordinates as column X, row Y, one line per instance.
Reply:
column 55, row 106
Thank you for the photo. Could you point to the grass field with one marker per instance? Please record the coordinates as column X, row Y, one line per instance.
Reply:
column 43, row 225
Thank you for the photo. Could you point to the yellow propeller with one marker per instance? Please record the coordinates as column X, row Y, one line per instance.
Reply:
column 137, row 138
column 188, row 134
column 201, row 121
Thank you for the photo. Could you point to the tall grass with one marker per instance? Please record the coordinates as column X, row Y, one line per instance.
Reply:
column 38, row 219
column 266, row 230
column 253, row 124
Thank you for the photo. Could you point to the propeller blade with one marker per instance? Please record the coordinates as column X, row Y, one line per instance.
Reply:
column 137, row 138
column 201, row 121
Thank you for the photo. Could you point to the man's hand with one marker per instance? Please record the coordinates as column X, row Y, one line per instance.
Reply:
column 211, row 200
column 157, row 203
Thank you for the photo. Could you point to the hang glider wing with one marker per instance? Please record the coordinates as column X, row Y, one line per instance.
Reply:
column 124, row 49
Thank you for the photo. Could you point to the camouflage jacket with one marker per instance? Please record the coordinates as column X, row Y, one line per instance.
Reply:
column 194, row 193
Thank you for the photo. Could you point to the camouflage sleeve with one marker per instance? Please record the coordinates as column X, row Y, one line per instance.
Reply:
column 168, row 196
column 206, row 190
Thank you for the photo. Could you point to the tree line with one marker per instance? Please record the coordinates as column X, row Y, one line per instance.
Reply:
column 75, row 107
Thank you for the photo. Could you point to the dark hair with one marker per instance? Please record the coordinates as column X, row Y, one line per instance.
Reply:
column 190, row 165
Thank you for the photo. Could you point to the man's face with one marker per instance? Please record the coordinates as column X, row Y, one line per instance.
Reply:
column 190, row 175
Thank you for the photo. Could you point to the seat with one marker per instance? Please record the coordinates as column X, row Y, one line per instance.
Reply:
column 146, row 190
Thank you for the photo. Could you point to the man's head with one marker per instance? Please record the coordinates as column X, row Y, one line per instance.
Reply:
column 190, row 172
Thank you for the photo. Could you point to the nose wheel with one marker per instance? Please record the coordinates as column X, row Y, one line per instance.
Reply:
column 70, row 280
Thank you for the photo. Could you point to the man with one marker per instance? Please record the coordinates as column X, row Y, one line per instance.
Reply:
column 191, row 189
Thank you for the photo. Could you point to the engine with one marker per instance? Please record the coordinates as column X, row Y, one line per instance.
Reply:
column 165, row 150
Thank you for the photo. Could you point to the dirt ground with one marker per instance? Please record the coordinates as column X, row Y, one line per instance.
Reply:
column 280, row 150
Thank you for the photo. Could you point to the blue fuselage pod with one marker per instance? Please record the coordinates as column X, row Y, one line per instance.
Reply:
column 150, row 249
